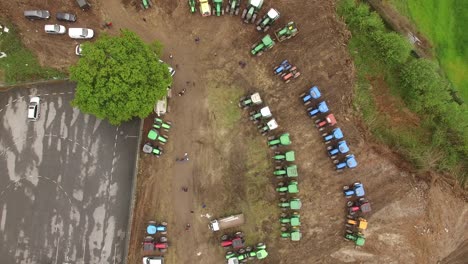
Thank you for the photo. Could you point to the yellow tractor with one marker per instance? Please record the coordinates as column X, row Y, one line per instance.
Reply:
column 205, row 8
column 356, row 223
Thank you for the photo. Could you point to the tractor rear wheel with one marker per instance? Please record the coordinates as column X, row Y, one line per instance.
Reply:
column 349, row 203
column 283, row 215
column 150, row 3
column 163, row 250
column 228, row 7
column 237, row 11
column 283, row 200
column 307, row 103
column 239, row 234
column 163, row 239
column 253, row 18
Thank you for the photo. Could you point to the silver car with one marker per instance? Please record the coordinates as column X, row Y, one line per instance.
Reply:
column 34, row 108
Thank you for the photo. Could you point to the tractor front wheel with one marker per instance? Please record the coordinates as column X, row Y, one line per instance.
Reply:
column 283, row 215
column 224, row 237
column 266, row 28
column 237, row 11
column 253, row 18
column 241, row 251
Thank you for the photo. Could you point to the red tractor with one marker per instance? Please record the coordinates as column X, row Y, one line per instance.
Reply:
column 292, row 74
column 150, row 245
column 322, row 123
column 362, row 206
column 235, row 241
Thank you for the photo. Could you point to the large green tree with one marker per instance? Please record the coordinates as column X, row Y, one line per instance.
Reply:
column 118, row 78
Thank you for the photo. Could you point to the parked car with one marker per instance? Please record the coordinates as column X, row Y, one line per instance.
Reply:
column 37, row 14
column 66, row 17
column 34, row 108
column 55, row 29
column 78, row 50
column 80, row 33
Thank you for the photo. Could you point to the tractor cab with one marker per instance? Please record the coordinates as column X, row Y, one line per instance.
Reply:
column 256, row 99
column 272, row 124
column 265, row 112
column 357, row 189
column 205, row 8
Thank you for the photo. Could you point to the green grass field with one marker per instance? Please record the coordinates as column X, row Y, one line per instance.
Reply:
column 444, row 24
column 21, row 64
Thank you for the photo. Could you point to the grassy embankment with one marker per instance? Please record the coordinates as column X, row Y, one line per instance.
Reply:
column 444, row 24
column 439, row 139
column 21, row 64
column 249, row 188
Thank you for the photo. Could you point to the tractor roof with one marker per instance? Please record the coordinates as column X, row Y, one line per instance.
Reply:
column 296, row 235
column 293, row 188
column 331, row 119
column 237, row 243
column 337, row 133
column 147, row 148
column 295, row 204
column 267, row 40
column 295, row 221
column 343, row 147
column 359, row 190
column 351, row 161
column 153, row 134
column 256, row 3
column 265, row 111
column 272, row 124
column 360, row 241
column 290, row 156
column 273, row 13
column 261, row 254
column 365, row 208
column 256, row 99
column 323, row 107
column 284, row 139
column 292, row 171
column 362, row 224
column 314, row 92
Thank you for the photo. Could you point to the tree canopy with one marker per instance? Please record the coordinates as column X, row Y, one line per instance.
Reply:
column 119, row 77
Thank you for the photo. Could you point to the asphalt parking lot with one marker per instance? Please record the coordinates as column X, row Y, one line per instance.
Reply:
column 65, row 180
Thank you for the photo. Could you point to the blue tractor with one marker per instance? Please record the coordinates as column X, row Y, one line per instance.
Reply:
column 283, row 67
column 309, row 96
column 335, row 134
column 348, row 162
column 356, row 189
column 340, row 148
column 321, row 108
column 154, row 228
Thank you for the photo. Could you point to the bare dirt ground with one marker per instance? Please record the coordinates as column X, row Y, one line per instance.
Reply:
column 416, row 218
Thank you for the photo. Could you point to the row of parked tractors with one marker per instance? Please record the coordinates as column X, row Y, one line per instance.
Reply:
column 337, row 148
column 157, row 137
column 285, row 171
column 155, row 237
column 357, row 207
column 249, row 15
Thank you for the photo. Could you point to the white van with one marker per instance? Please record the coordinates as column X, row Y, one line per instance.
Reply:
column 34, row 108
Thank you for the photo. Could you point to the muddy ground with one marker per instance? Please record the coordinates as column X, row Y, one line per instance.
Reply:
column 415, row 219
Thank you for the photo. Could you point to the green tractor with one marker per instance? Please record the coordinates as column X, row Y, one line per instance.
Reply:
column 159, row 123
column 258, row 115
column 267, row 20
column 250, row 13
column 292, row 233
column 293, row 220
column 153, row 134
column 150, row 149
column 287, row 32
column 243, row 255
column 287, row 156
column 292, row 204
column 218, row 7
column 193, row 6
column 233, row 7
column 289, row 171
column 283, row 140
column 250, row 100
column 358, row 238
column 145, row 4
column 269, row 126
column 264, row 44
column 291, row 188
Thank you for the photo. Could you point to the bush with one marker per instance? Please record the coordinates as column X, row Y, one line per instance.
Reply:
column 394, row 49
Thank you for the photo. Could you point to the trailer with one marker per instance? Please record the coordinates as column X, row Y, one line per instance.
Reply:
column 227, row 222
